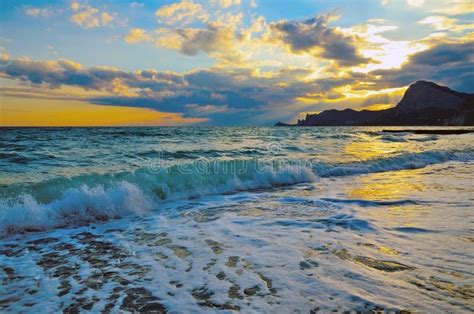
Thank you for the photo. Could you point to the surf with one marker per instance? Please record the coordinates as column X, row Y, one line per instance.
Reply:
column 98, row 197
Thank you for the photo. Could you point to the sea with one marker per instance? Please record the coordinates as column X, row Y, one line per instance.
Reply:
column 235, row 219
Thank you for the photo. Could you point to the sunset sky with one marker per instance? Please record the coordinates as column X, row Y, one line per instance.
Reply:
column 223, row 62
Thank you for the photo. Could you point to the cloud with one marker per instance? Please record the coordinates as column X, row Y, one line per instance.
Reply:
column 227, row 3
column 136, row 35
column 446, row 54
column 415, row 3
column 444, row 7
column 135, row 5
column 183, row 12
column 448, row 64
column 106, row 18
column 88, row 17
column 219, row 35
column 233, row 39
column 191, row 41
column 53, row 74
column 37, row 93
column 75, row 6
column 438, row 22
column 314, row 36
column 30, row 11
column 208, row 109
column 453, row 7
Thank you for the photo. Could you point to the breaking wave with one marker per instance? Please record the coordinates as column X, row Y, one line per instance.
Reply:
column 98, row 197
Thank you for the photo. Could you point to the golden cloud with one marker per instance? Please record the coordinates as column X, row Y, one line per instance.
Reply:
column 183, row 12
column 136, row 35
column 88, row 17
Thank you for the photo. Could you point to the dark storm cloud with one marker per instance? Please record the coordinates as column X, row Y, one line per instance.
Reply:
column 448, row 64
column 61, row 72
column 445, row 54
column 316, row 37
column 65, row 72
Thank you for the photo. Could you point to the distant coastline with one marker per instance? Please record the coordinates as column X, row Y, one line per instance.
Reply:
column 423, row 104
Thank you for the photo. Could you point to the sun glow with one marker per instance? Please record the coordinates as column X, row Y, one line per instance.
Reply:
column 384, row 52
column 23, row 112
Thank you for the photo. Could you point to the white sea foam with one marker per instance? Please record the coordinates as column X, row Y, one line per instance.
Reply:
column 77, row 205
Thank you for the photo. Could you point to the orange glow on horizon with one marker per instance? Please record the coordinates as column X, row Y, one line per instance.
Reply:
column 40, row 112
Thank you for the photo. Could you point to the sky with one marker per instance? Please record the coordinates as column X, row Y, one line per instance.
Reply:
column 222, row 62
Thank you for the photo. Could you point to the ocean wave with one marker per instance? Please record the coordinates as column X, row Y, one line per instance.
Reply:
column 408, row 137
column 393, row 138
column 94, row 197
column 97, row 197
column 13, row 157
column 397, row 162
column 427, row 138
column 370, row 203
column 76, row 206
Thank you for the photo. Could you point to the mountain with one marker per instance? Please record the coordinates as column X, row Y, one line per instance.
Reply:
column 424, row 103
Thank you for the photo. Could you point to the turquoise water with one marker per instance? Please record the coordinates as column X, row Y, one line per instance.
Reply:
column 227, row 219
